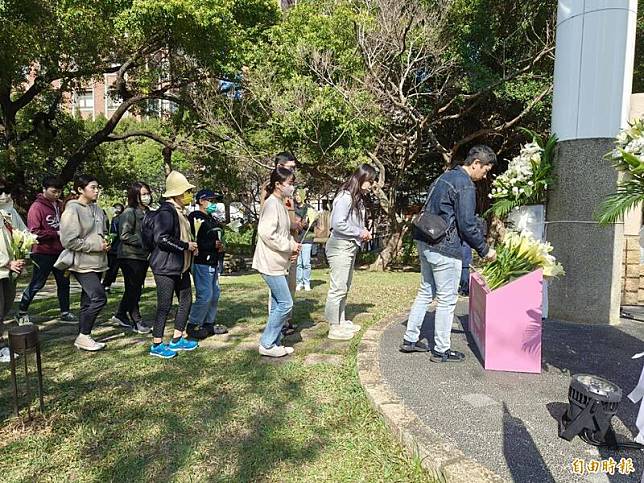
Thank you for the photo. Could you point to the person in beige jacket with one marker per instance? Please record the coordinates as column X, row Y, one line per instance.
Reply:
column 82, row 231
column 8, row 266
column 275, row 251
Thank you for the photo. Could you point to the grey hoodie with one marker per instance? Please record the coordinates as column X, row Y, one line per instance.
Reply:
column 81, row 230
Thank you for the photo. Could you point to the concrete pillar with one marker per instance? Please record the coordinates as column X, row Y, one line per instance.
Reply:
column 592, row 90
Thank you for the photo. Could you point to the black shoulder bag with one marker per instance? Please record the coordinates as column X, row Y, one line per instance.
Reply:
column 431, row 226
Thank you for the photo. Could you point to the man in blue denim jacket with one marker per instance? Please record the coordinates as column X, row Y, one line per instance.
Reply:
column 453, row 198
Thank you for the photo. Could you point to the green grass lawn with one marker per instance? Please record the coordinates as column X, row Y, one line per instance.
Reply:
column 220, row 413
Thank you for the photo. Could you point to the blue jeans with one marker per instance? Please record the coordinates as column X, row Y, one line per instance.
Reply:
column 465, row 272
column 280, row 307
column 440, row 277
column 204, row 308
column 304, row 265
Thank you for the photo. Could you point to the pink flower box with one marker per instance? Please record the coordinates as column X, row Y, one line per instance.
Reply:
column 506, row 323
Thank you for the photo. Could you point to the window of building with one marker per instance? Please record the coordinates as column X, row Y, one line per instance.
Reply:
column 85, row 99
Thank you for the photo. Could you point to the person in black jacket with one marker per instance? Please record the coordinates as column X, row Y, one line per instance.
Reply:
column 170, row 262
column 453, row 198
column 133, row 257
column 208, row 233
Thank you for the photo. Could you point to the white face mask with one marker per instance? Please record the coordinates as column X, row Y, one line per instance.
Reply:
column 146, row 199
column 288, row 191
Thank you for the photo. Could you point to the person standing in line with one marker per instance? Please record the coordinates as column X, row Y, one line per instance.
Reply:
column 43, row 220
column 274, row 253
column 9, row 271
column 6, row 205
column 170, row 262
column 286, row 160
column 302, row 208
column 205, row 270
column 348, row 232
column 112, row 256
column 82, row 231
column 453, row 198
column 133, row 257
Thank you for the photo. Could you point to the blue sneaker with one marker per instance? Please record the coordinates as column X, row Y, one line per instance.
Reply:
column 183, row 344
column 162, row 351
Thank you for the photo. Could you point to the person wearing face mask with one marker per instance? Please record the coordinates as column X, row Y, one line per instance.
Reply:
column 112, row 255
column 43, row 221
column 82, row 231
column 275, row 251
column 286, row 160
column 170, row 262
column 133, row 257
column 208, row 233
column 10, row 268
column 348, row 232
column 6, row 206
column 452, row 197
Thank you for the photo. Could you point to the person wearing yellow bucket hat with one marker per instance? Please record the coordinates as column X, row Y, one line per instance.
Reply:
column 170, row 261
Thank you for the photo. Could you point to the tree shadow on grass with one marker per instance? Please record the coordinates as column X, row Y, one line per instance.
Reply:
column 151, row 424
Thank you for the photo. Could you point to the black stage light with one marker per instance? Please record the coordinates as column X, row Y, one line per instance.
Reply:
column 593, row 402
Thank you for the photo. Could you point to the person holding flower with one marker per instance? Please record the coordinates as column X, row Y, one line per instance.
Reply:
column 82, row 232
column 10, row 267
column 207, row 231
column 348, row 233
column 307, row 216
column 453, row 198
column 170, row 261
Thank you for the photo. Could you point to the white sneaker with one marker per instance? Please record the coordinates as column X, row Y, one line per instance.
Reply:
column 23, row 319
column 299, row 288
column 348, row 325
column 337, row 332
column 289, row 350
column 307, row 288
column 86, row 343
column 275, row 351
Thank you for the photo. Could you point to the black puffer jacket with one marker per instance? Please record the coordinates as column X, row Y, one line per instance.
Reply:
column 167, row 257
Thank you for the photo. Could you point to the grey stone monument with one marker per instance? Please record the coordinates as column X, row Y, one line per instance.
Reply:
column 592, row 89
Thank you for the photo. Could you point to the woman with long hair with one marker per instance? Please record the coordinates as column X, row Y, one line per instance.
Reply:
column 82, row 231
column 276, row 249
column 348, row 232
column 133, row 257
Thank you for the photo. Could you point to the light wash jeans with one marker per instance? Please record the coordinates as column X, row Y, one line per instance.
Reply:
column 341, row 255
column 280, row 308
column 204, row 308
column 304, row 265
column 440, row 277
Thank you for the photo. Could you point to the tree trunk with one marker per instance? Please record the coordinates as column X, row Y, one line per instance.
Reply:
column 167, row 160
column 393, row 246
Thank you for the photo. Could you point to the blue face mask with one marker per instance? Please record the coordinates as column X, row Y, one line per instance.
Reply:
column 212, row 208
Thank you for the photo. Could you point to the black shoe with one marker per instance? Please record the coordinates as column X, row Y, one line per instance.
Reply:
column 197, row 332
column 216, row 329
column 123, row 321
column 447, row 356
column 413, row 346
column 289, row 328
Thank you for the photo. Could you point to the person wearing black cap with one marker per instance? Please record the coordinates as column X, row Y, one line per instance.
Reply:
column 207, row 231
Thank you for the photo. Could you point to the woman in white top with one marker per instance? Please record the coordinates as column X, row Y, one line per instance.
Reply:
column 276, row 249
column 348, row 232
